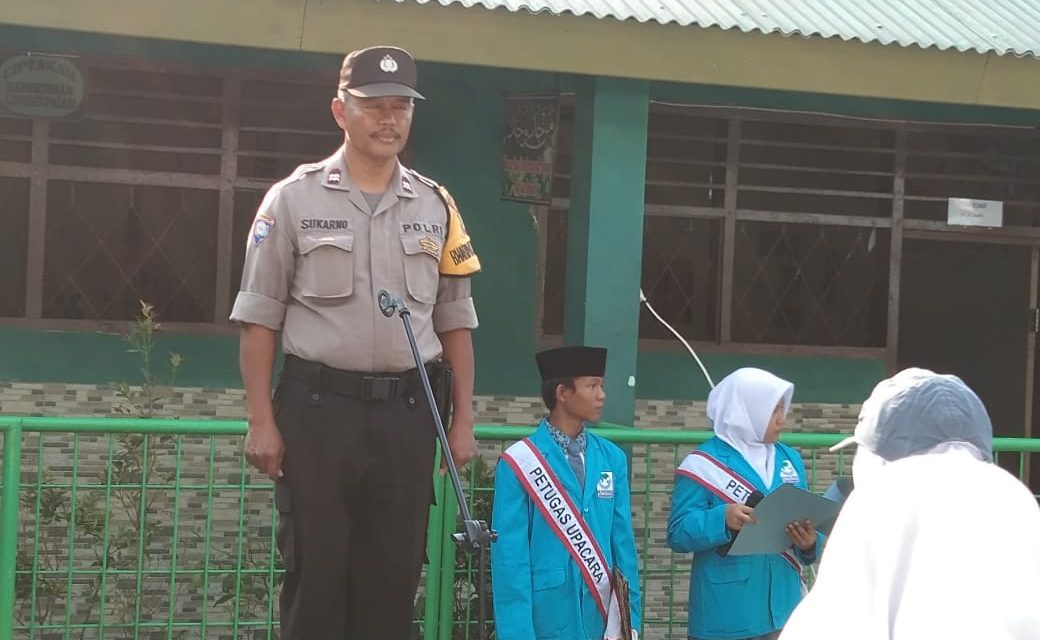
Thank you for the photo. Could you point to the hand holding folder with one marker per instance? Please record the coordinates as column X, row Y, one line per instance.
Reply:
column 787, row 504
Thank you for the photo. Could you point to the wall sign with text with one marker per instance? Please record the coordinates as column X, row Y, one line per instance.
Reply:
column 39, row 86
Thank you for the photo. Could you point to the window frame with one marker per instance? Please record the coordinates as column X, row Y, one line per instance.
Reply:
column 39, row 172
column 900, row 227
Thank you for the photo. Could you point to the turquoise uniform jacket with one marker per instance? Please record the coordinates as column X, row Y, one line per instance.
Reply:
column 538, row 589
column 734, row 596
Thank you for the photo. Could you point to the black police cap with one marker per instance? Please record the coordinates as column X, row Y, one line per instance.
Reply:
column 379, row 71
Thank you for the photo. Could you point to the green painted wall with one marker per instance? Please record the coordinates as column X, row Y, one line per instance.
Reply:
column 456, row 140
column 505, row 348
column 93, row 357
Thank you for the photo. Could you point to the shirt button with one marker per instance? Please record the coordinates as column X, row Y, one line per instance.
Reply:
column 586, row 509
column 315, row 396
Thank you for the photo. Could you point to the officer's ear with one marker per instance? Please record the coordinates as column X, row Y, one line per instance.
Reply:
column 339, row 108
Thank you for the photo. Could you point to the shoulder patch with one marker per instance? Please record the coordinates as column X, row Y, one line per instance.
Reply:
column 262, row 225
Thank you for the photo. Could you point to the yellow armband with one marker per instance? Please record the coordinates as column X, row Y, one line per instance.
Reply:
column 458, row 257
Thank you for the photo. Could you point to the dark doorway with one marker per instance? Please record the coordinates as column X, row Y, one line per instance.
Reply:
column 965, row 309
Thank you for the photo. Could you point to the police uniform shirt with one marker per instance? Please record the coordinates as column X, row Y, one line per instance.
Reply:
column 317, row 257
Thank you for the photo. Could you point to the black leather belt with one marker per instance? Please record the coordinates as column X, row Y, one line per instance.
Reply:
column 353, row 384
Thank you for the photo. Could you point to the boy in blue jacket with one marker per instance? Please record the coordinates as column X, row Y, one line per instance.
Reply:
column 563, row 517
column 739, row 597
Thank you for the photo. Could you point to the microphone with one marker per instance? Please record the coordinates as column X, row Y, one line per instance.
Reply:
column 389, row 304
column 752, row 501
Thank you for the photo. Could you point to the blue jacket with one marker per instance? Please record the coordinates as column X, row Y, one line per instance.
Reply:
column 733, row 596
column 538, row 589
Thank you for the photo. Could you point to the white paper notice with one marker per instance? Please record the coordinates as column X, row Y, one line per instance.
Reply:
column 975, row 213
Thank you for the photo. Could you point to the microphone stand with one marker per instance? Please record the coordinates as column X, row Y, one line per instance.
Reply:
column 476, row 537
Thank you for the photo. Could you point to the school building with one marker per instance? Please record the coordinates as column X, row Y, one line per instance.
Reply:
column 829, row 189
column 782, row 185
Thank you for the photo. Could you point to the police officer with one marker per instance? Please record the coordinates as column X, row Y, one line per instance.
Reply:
column 349, row 438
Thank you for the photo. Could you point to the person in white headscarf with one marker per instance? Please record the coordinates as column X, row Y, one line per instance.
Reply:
column 935, row 541
column 716, row 488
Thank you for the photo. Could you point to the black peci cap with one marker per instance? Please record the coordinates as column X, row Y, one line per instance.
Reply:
column 571, row 362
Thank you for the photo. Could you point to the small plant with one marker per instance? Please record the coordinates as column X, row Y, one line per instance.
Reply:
column 143, row 402
column 245, row 591
column 40, row 557
column 133, row 512
column 119, row 523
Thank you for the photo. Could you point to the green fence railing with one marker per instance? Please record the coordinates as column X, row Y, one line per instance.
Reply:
column 654, row 455
column 156, row 528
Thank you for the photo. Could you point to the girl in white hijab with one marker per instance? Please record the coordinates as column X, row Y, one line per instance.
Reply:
column 935, row 541
column 747, row 411
column 739, row 597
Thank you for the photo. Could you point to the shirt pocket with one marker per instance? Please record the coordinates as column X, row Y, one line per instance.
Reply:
column 727, row 584
column 729, row 571
column 421, row 266
column 548, row 579
column 550, row 599
column 327, row 266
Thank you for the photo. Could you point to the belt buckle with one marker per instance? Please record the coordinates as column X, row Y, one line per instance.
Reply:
column 378, row 388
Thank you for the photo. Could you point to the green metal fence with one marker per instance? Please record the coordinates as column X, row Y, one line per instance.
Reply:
column 130, row 528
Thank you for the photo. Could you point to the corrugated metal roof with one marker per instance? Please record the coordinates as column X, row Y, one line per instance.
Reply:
column 999, row 26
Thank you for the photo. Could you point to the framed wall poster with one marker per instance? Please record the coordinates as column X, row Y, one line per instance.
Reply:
column 529, row 147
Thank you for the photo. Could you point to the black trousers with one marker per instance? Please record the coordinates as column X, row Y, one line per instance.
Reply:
column 353, row 508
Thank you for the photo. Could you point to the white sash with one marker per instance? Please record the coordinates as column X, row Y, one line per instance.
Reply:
column 566, row 522
column 725, row 483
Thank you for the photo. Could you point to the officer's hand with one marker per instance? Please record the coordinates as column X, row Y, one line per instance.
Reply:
column 738, row 515
column 462, row 443
column 264, row 449
column 802, row 534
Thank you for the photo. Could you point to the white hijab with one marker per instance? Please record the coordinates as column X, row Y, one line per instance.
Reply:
column 938, row 544
column 739, row 409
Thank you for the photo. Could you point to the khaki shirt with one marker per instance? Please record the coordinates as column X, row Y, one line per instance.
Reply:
column 317, row 257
